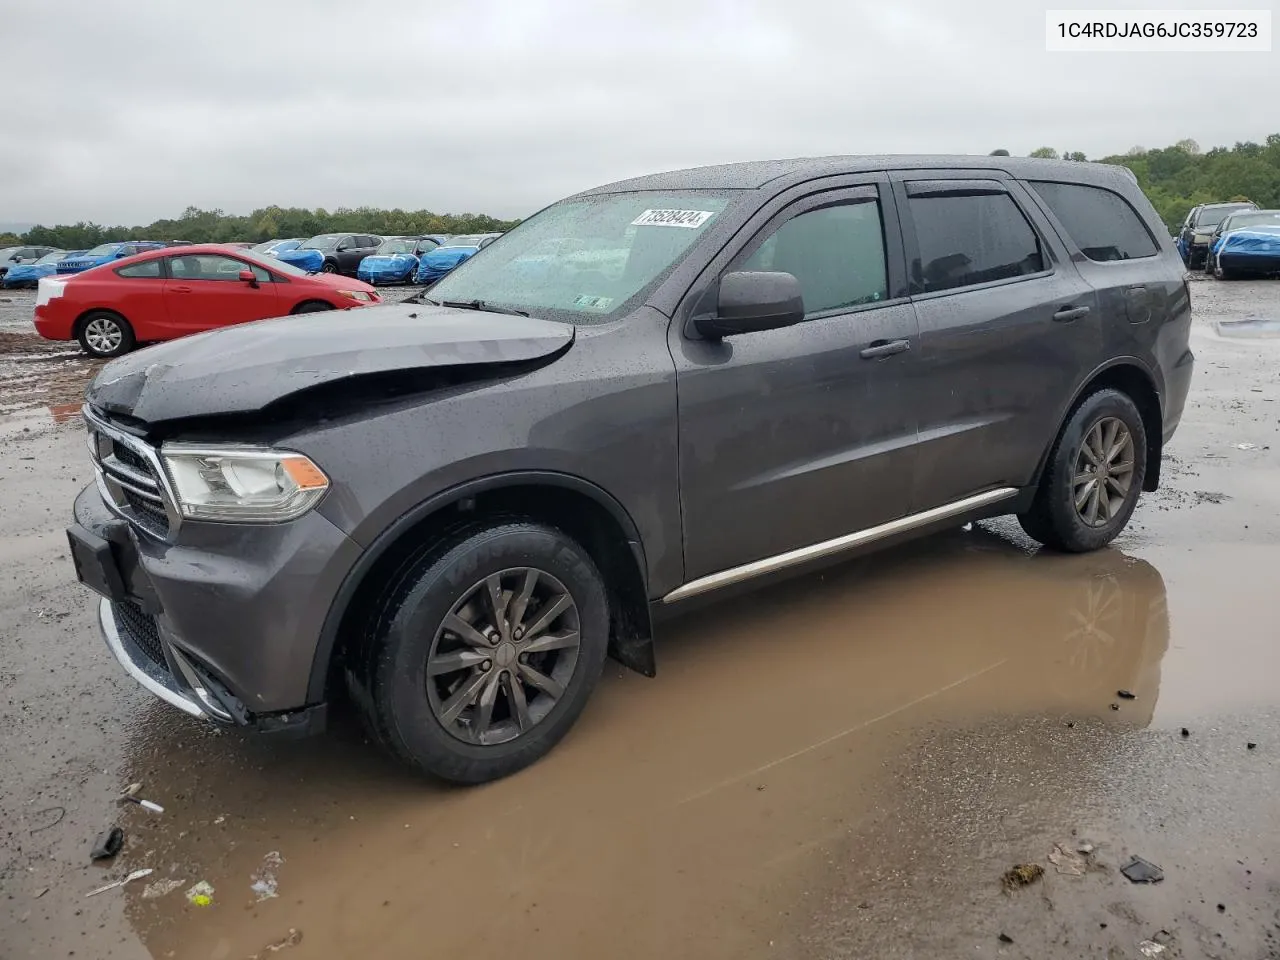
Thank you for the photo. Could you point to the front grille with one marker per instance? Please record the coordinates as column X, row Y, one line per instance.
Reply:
column 130, row 478
column 141, row 629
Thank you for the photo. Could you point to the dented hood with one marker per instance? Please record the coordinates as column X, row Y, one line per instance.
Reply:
column 244, row 368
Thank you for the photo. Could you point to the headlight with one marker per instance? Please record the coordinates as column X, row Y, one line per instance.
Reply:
column 356, row 295
column 242, row 485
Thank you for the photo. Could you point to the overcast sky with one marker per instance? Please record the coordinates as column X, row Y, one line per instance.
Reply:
column 129, row 111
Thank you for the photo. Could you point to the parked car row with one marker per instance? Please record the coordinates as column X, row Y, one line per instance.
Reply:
column 1245, row 243
column 423, row 258
column 11, row 257
column 164, row 293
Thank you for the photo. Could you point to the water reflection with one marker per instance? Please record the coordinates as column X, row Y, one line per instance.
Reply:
column 771, row 719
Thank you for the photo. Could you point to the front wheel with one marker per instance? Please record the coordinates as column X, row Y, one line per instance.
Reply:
column 329, row 267
column 104, row 334
column 485, row 652
column 1093, row 478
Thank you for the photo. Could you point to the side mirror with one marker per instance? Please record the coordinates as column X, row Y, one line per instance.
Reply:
column 248, row 277
column 121, row 253
column 749, row 302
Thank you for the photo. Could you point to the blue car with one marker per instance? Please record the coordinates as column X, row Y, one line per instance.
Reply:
column 105, row 253
column 434, row 265
column 396, row 259
column 29, row 274
column 273, row 248
column 332, row 253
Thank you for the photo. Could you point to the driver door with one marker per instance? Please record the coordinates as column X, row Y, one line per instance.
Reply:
column 205, row 291
column 795, row 436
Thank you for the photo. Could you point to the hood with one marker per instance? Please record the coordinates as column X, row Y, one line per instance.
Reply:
column 244, row 368
column 449, row 254
column 379, row 259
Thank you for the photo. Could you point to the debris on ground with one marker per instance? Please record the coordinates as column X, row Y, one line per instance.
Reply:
column 1021, row 875
column 1186, row 732
column 1150, row 948
column 1005, row 938
column 131, row 791
column 136, row 875
column 1142, row 871
column 161, row 888
column 1222, row 908
column 1086, row 848
column 264, row 878
column 1115, row 706
column 201, row 894
column 107, row 845
column 146, row 804
column 292, row 940
column 40, row 893
column 1126, row 695
column 1246, row 446
column 60, row 811
column 1066, row 861
column 1251, row 746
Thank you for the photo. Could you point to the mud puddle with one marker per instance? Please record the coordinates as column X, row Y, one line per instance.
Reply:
column 699, row 814
column 41, row 383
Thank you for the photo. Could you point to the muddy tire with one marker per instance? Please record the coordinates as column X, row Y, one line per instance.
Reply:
column 484, row 652
column 1093, row 478
column 104, row 334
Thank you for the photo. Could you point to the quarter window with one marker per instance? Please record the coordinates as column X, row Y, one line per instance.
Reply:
column 147, row 269
column 966, row 238
column 1101, row 223
column 837, row 254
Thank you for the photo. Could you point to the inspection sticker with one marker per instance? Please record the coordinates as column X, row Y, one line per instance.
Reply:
column 673, row 218
column 593, row 303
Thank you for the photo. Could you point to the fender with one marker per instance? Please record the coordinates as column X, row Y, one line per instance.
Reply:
column 637, row 655
column 1078, row 393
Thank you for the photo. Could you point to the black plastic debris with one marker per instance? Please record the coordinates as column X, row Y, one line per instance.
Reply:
column 1251, row 746
column 1005, row 938
column 1126, row 695
column 107, row 845
column 1115, row 706
column 1186, row 732
column 1222, row 908
column 1142, row 871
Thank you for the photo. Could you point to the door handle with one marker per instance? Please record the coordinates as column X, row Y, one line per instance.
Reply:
column 1067, row 314
column 179, row 289
column 884, row 348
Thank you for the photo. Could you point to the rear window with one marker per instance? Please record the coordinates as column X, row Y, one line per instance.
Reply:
column 147, row 269
column 1101, row 223
column 968, row 238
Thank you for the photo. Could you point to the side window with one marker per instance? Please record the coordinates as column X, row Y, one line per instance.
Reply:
column 208, row 266
column 837, row 254
column 1102, row 223
column 147, row 269
column 968, row 237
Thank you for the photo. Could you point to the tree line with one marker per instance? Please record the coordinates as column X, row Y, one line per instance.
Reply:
column 1179, row 177
column 1175, row 178
column 268, row 223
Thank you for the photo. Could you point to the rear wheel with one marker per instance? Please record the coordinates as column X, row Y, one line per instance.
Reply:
column 105, row 334
column 1094, row 476
column 329, row 267
column 485, row 652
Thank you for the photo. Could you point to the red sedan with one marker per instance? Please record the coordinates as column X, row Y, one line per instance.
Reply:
column 169, row 293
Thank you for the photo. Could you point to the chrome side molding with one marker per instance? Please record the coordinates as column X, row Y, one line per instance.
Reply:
column 826, row 548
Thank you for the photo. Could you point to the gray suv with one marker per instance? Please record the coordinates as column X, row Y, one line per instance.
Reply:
column 455, row 507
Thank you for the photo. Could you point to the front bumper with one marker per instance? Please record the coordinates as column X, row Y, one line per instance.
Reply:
column 224, row 627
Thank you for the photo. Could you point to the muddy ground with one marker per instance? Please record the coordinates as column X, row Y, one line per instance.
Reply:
column 839, row 766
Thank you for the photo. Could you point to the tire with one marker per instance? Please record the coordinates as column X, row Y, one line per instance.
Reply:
column 434, row 719
column 1053, row 518
column 104, row 334
column 312, row 306
column 329, row 267
column 1220, row 273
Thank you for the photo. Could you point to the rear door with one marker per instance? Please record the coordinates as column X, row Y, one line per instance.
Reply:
column 795, row 436
column 1007, row 326
column 205, row 291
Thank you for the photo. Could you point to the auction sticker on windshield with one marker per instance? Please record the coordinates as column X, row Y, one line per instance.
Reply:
column 673, row 218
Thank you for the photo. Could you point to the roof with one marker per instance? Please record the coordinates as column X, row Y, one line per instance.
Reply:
column 758, row 173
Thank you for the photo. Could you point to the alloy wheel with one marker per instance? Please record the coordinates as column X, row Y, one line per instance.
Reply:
column 104, row 335
column 1103, row 474
column 503, row 656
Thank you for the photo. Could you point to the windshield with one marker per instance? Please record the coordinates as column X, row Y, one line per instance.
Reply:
column 323, row 242
column 102, row 249
column 586, row 258
column 52, row 257
column 473, row 241
column 266, row 245
column 272, row 263
column 1212, row 216
column 1239, row 221
column 8, row 252
column 395, row 245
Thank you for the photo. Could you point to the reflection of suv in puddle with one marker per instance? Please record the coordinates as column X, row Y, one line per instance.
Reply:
column 457, row 505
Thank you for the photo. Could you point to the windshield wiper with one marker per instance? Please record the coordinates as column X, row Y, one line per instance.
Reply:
column 479, row 305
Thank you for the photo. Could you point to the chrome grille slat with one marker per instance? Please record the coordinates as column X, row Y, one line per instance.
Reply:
column 149, row 495
column 131, row 478
column 126, row 475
